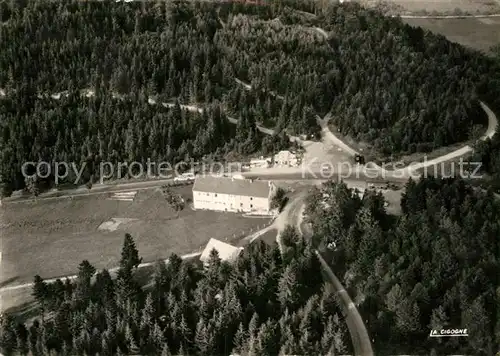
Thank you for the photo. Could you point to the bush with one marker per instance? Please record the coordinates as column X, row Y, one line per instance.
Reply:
column 175, row 200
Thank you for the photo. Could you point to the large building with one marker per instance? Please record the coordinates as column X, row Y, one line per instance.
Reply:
column 234, row 195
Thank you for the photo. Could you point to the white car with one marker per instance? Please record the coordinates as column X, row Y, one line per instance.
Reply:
column 184, row 177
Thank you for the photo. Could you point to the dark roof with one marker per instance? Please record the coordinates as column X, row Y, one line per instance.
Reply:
column 225, row 185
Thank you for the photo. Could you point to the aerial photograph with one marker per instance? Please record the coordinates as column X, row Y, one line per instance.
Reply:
column 249, row 177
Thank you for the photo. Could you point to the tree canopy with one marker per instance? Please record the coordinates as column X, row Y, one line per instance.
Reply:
column 434, row 267
column 261, row 305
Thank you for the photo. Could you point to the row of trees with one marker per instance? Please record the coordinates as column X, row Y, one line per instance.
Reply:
column 265, row 304
column 434, row 267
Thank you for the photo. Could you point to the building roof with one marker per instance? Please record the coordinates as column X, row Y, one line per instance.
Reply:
column 285, row 153
column 226, row 251
column 225, row 185
column 260, row 159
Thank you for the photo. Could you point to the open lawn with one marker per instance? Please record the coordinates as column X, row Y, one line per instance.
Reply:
column 52, row 237
column 477, row 33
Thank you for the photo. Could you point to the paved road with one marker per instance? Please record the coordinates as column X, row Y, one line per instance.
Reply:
column 280, row 174
column 371, row 176
column 359, row 335
column 407, row 172
column 96, row 190
column 412, row 169
column 357, row 329
column 289, row 215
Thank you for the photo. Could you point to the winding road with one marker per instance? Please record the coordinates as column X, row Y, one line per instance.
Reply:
column 293, row 215
column 328, row 135
column 410, row 170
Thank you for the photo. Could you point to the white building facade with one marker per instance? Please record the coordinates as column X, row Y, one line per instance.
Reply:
column 233, row 195
column 286, row 158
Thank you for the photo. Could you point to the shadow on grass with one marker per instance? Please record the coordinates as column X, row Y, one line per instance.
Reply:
column 8, row 281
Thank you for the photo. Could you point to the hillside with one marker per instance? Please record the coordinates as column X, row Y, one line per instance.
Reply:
column 434, row 267
column 398, row 88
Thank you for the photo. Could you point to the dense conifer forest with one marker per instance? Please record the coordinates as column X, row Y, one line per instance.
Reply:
column 265, row 304
column 398, row 88
column 434, row 267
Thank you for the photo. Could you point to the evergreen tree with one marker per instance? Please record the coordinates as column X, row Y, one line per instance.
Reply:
column 130, row 255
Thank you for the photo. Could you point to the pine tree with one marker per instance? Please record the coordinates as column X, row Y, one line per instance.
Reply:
column 40, row 292
column 85, row 272
column 146, row 324
column 204, row 339
column 158, row 339
column 253, row 326
column 33, row 336
column 130, row 256
column 267, row 340
column 239, row 339
column 287, row 289
column 129, row 337
column 32, row 185
column 22, row 339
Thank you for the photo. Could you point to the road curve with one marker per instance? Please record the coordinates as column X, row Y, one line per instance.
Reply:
column 490, row 131
column 411, row 170
column 359, row 335
column 357, row 329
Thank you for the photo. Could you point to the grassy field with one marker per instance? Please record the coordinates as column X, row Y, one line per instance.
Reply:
column 435, row 7
column 51, row 238
column 477, row 33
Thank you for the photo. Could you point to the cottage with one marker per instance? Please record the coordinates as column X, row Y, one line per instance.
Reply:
column 226, row 251
column 234, row 195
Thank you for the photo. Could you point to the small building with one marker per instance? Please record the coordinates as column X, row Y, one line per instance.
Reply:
column 226, row 251
column 261, row 162
column 233, row 195
column 286, row 158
